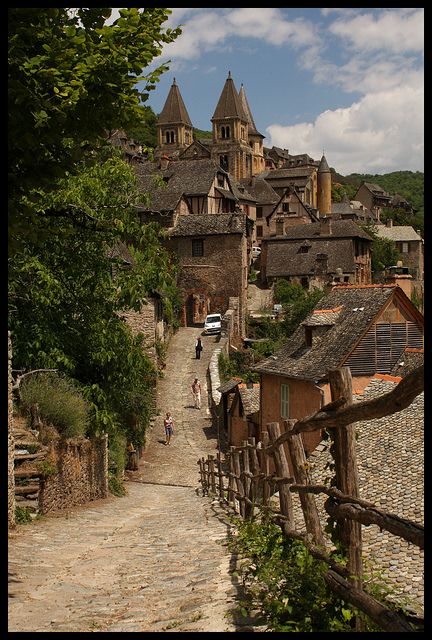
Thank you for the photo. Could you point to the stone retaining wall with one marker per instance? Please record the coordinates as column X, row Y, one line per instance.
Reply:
column 82, row 473
column 11, row 444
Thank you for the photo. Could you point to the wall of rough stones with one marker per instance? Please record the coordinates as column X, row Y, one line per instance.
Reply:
column 82, row 473
column 11, row 444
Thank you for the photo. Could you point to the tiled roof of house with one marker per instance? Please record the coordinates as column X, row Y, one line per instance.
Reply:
column 210, row 224
column 250, row 399
column 174, row 110
column 285, row 258
column 375, row 188
column 410, row 360
column 360, row 305
column 228, row 386
column 390, row 461
column 339, row 229
column 288, row 172
column 398, row 233
column 189, row 177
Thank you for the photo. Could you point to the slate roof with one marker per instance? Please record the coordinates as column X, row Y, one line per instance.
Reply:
column 189, row 177
column 251, row 124
column 240, row 191
column 410, row 360
column 288, row 172
column 174, row 110
column 210, row 224
column 323, row 166
column 398, row 233
column 284, row 258
column 250, row 398
column 340, row 229
column 229, row 105
column 295, row 360
column 228, row 386
column 390, row 455
column 375, row 188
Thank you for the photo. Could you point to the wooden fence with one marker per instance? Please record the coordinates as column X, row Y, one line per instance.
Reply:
column 243, row 480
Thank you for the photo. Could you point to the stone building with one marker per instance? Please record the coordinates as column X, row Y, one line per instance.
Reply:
column 212, row 250
column 266, row 199
column 289, row 211
column 373, row 197
column 410, row 245
column 316, row 254
column 303, row 178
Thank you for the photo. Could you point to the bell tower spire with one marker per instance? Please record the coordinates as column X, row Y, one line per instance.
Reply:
column 174, row 127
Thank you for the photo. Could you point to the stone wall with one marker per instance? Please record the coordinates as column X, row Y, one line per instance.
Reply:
column 82, row 473
column 11, row 444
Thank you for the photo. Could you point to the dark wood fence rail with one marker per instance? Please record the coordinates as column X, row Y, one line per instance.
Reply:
column 243, row 481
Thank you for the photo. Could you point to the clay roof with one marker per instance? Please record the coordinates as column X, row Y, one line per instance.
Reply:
column 174, row 110
column 210, row 224
column 250, row 398
column 229, row 105
column 385, row 446
column 360, row 305
column 397, row 233
column 285, row 258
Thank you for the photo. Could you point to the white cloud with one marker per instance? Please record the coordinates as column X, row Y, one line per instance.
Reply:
column 380, row 133
column 396, row 31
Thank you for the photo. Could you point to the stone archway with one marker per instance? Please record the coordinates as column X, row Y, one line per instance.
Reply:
column 197, row 306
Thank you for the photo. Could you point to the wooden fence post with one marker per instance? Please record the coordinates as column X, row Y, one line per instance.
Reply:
column 247, row 481
column 346, row 471
column 203, row 476
column 255, row 468
column 282, row 470
column 220, row 475
column 212, row 474
column 265, row 467
column 231, row 482
column 309, row 508
column 239, row 482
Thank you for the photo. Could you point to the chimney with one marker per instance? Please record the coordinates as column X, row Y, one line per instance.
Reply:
column 325, row 226
column 389, row 223
column 404, row 281
column 279, row 225
column 164, row 162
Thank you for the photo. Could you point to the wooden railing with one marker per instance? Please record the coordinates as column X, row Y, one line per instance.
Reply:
column 243, row 481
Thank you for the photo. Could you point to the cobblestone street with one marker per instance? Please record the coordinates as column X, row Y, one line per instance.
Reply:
column 154, row 560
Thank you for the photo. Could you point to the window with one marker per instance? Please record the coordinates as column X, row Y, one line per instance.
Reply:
column 169, row 137
column 304, row 249
column 223, row 161
column 220, row 178
column 285, row 206
column 197, row 248
column 259, row 212
column 405, row 247
column 284, row 401
column 259, row 231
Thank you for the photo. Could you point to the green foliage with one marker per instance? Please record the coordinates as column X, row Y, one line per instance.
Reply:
column 384, row 252
column 145, row 132
column 199, row 133
column 60, row 403
column 71, row 78
column 297, row 303
column 22, row 515
column 116, row 486
column 46, row 468
column 237, row 365
column 409, row 184
column 402, row 217
column 284, row 583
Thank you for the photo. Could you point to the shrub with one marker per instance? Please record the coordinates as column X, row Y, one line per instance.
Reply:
column 46, row 468
column 115, row 485
column 22, row 515
column 60, row 403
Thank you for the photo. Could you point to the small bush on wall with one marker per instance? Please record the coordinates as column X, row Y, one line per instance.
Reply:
column 60, row 403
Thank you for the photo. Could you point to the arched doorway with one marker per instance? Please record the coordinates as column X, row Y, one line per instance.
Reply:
column 197, row 306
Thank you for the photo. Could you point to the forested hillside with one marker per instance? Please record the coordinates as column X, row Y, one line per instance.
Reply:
column 408, row 184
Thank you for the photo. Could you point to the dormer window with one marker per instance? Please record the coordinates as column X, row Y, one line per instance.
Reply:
column 304, row 249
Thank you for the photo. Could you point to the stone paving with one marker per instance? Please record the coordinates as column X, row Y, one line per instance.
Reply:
column 153, row 560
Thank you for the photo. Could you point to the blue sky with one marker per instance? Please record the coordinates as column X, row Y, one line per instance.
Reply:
column 346, row 81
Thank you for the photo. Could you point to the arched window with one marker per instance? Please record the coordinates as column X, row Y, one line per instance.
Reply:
column 227, row 132
column 167, row 137
column 222, row 130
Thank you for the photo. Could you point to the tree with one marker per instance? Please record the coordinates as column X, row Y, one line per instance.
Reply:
column 384, row 252
column 71, row 78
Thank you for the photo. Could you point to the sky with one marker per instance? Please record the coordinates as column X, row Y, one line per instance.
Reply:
column 349, row 82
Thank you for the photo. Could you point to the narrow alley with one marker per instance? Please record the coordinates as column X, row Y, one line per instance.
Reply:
column 154, row 560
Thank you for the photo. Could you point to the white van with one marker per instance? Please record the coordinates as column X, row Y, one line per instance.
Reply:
column 213, row 323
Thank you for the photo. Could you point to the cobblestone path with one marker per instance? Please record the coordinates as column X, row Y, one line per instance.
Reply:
column 154, row 560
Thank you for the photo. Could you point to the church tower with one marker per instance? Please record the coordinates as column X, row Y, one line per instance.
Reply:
column 255, row 138
column 230, row 125
column 174, row 127
column 324, row 188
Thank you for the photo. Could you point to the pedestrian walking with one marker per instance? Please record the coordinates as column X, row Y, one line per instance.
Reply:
column 169, row 427
column 198, row 348
column 196, row 391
